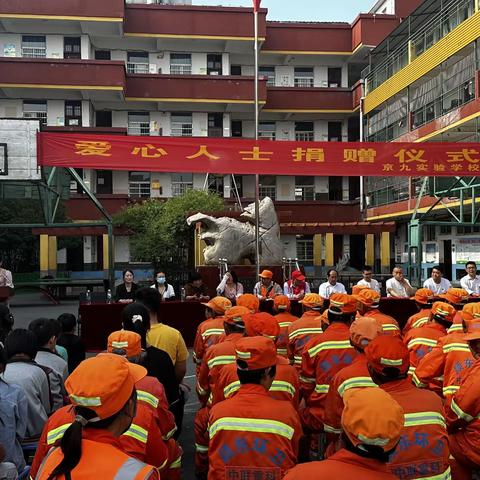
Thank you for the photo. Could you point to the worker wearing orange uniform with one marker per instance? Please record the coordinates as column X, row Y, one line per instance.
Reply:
column 285, row 386
column 423, row 448
column 451, row 359
column 368, row 303
column 324, row 356
column 456, row 297
column 305, row 328
column 463, row 412
column 281, row 308
column 211, row 330
column 422, row 340
column 249, row 301
column 251, row 433
column 216, row 358
column 362, row 331
column 369, row 439
column 424, row 300
column 103, row 395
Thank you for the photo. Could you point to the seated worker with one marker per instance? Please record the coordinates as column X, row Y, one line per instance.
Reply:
column 266, row 288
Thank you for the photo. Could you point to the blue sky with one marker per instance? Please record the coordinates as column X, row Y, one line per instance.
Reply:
column 303, row 10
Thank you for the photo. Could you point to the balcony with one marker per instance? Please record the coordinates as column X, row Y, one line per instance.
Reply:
column 236, row 92
column 30, row 77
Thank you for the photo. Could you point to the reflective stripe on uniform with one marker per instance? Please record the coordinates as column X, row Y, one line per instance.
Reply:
column 420, row 322
column 221, row 360
column 424, row 418
column 170, row 433
column 259, row 425
column 304, row 379
column 281, row 386
column 212, row 331
column 284, row 324
column 201, row 448
column 297, row 359
column 355, row 382
column 333, row 345
column 417, row 381
column 390, row 327
column 86, row 401
column 421, row 341
column 446, row 475
column 329, row 429
column 137, row 432
column 459, row 412
column 57, row 433
column 456, row 327
column 451, row 389
column 322, row 388
column 201, row 391
column 411, row 370
column 305, row 331
column 456, row 347
column 231, row 389
column 178, row 462
column 282, row 351
column 130, row 469
column 146, row 397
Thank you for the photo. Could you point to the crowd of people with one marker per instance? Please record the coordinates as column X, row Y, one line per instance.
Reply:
column 342, row 390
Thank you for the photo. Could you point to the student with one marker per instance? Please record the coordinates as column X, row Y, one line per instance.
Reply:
column 368, row 280
column 471, row 281
column 70, row 341
column 436, row 283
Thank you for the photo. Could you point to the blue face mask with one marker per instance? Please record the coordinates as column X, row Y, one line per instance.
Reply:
column 161, row 280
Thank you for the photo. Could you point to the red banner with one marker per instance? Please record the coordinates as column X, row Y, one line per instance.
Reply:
column 244, row 156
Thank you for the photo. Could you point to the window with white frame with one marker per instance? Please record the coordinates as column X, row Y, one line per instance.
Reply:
column 269, row 73
column 137, row 62
column 34, row 46
column 35, row 109
column 181, row 182
column 139, row 184
column 303, row 77
column 266, row 130
column 305, row 250
column 181, row 124
column 180, row 63
column 268, row 186
column 304, row 131
column 139, row 123
column 304, row 188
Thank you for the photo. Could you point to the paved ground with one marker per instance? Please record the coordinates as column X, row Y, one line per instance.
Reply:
column 29, row 306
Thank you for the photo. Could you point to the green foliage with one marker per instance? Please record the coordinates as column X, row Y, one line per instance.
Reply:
column 160, row 233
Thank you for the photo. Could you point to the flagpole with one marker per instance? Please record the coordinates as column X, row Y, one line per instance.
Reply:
column 256, row 4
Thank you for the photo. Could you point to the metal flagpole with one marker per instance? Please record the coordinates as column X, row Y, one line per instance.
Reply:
column 256, row 6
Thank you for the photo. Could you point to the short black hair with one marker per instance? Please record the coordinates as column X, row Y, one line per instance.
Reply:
column 150, row 297
column 332, row 270
column 194, row 276
column 367, row 268
column 136, row 325
column 68, row 321
column 470, row 262
column 439, row 268
column 23, row 341
column 367, row 451
column 127, row 271
column 253, row 376
column 44, row 329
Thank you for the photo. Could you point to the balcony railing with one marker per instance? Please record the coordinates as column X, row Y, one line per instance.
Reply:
column 266, row 135
column 42, row 116
column 139, row 189
column 268, row 192
column 180, row 69
column 180, row 188
column 303, row 82
column 34, row 52
column 304, row 136
column 181, row 130
column 139, row 128
column 133, row 67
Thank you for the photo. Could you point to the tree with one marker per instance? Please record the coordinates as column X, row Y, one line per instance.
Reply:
column 159, row 231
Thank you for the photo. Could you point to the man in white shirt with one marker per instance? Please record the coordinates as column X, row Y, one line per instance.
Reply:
column 367, row 280
column 331, row 286
column 398, row 286
column 436, row 283
column 471, row 281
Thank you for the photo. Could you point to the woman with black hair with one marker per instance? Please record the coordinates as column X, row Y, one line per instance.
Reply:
column 230, row 287
column 164, row 289
column 102, row 391
column 125, row 292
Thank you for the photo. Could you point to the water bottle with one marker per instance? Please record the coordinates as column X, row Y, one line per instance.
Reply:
column 182, row 294
column 109, row 296
column 88, row 297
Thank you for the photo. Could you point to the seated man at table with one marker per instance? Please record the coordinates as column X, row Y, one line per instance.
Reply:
column 195, row 289
column 398, row 286
column 436, row 283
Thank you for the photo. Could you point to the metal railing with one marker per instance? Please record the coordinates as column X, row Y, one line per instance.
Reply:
column 183, row 130
column 266, row 135
column 180, row 69
column 34, row 52
column 139, row 189
column 304, row 136
column 139, row 128
column 303, row 82
column 305, row 193
column 268, row 192
column 42, row 116
column 180, row 188
column 133, row 67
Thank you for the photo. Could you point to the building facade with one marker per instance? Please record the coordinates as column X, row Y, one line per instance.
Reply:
column 155, row 68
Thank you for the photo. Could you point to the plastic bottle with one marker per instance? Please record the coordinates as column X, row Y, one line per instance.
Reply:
column 182, row 294
column 109, row 296
column 88, row 296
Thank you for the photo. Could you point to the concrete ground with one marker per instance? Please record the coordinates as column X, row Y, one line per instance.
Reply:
column 29, row 306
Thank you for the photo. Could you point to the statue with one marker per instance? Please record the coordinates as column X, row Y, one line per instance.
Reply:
column 233, row 240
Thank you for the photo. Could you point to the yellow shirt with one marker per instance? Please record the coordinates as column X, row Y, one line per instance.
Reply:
column 168, row 339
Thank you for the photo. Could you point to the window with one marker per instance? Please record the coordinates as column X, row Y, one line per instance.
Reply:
column 430, row 233
column 303, row 77
column 73, row 112
column 138, row 123
column 334, row 131
column 139, row 184
column 268, row 72
column 72, row 47
column 180, row 63
column 304, row 188
column 214, row 64
column 34, row 46
column 137, row 62
column 181, row 125
column 215, row 124
column 235, row 69
column 334, row 77
column 305, row 250
column 103, row 55
column 237, row 130
column 35, row 109
column 181, row 182
column 304, row 131
column 268, row 186
column 266, row 130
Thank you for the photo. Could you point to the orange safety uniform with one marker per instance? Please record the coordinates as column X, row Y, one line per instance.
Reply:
column 457, row 323
column 417, row 320
column 252, row 433
column 388, row 323
column 208, row 333
column 284, row 319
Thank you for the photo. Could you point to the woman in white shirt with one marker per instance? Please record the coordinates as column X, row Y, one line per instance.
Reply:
column 230, row 287
column 164, row 289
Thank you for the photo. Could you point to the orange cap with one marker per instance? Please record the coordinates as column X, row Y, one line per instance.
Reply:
column 256, row 352
column 281, row 302
column 423, row 295
column 387, row 351
column 249, row 301
column 444, row 311
column 343, row 302
column 368, row 297
column 363, row 330
column 455, row 295
column 312, row 300
column 356, row 289
column 362, row 423
column 103, row 383
column 262, row 324
column 130, row 342
column 471, row 312
column 266, row 274
column 473, row 329
column 218, row 304
column 236, row 316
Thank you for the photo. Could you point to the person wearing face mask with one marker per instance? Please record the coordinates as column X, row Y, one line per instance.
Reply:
column 125, row 292
column 164, row 289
